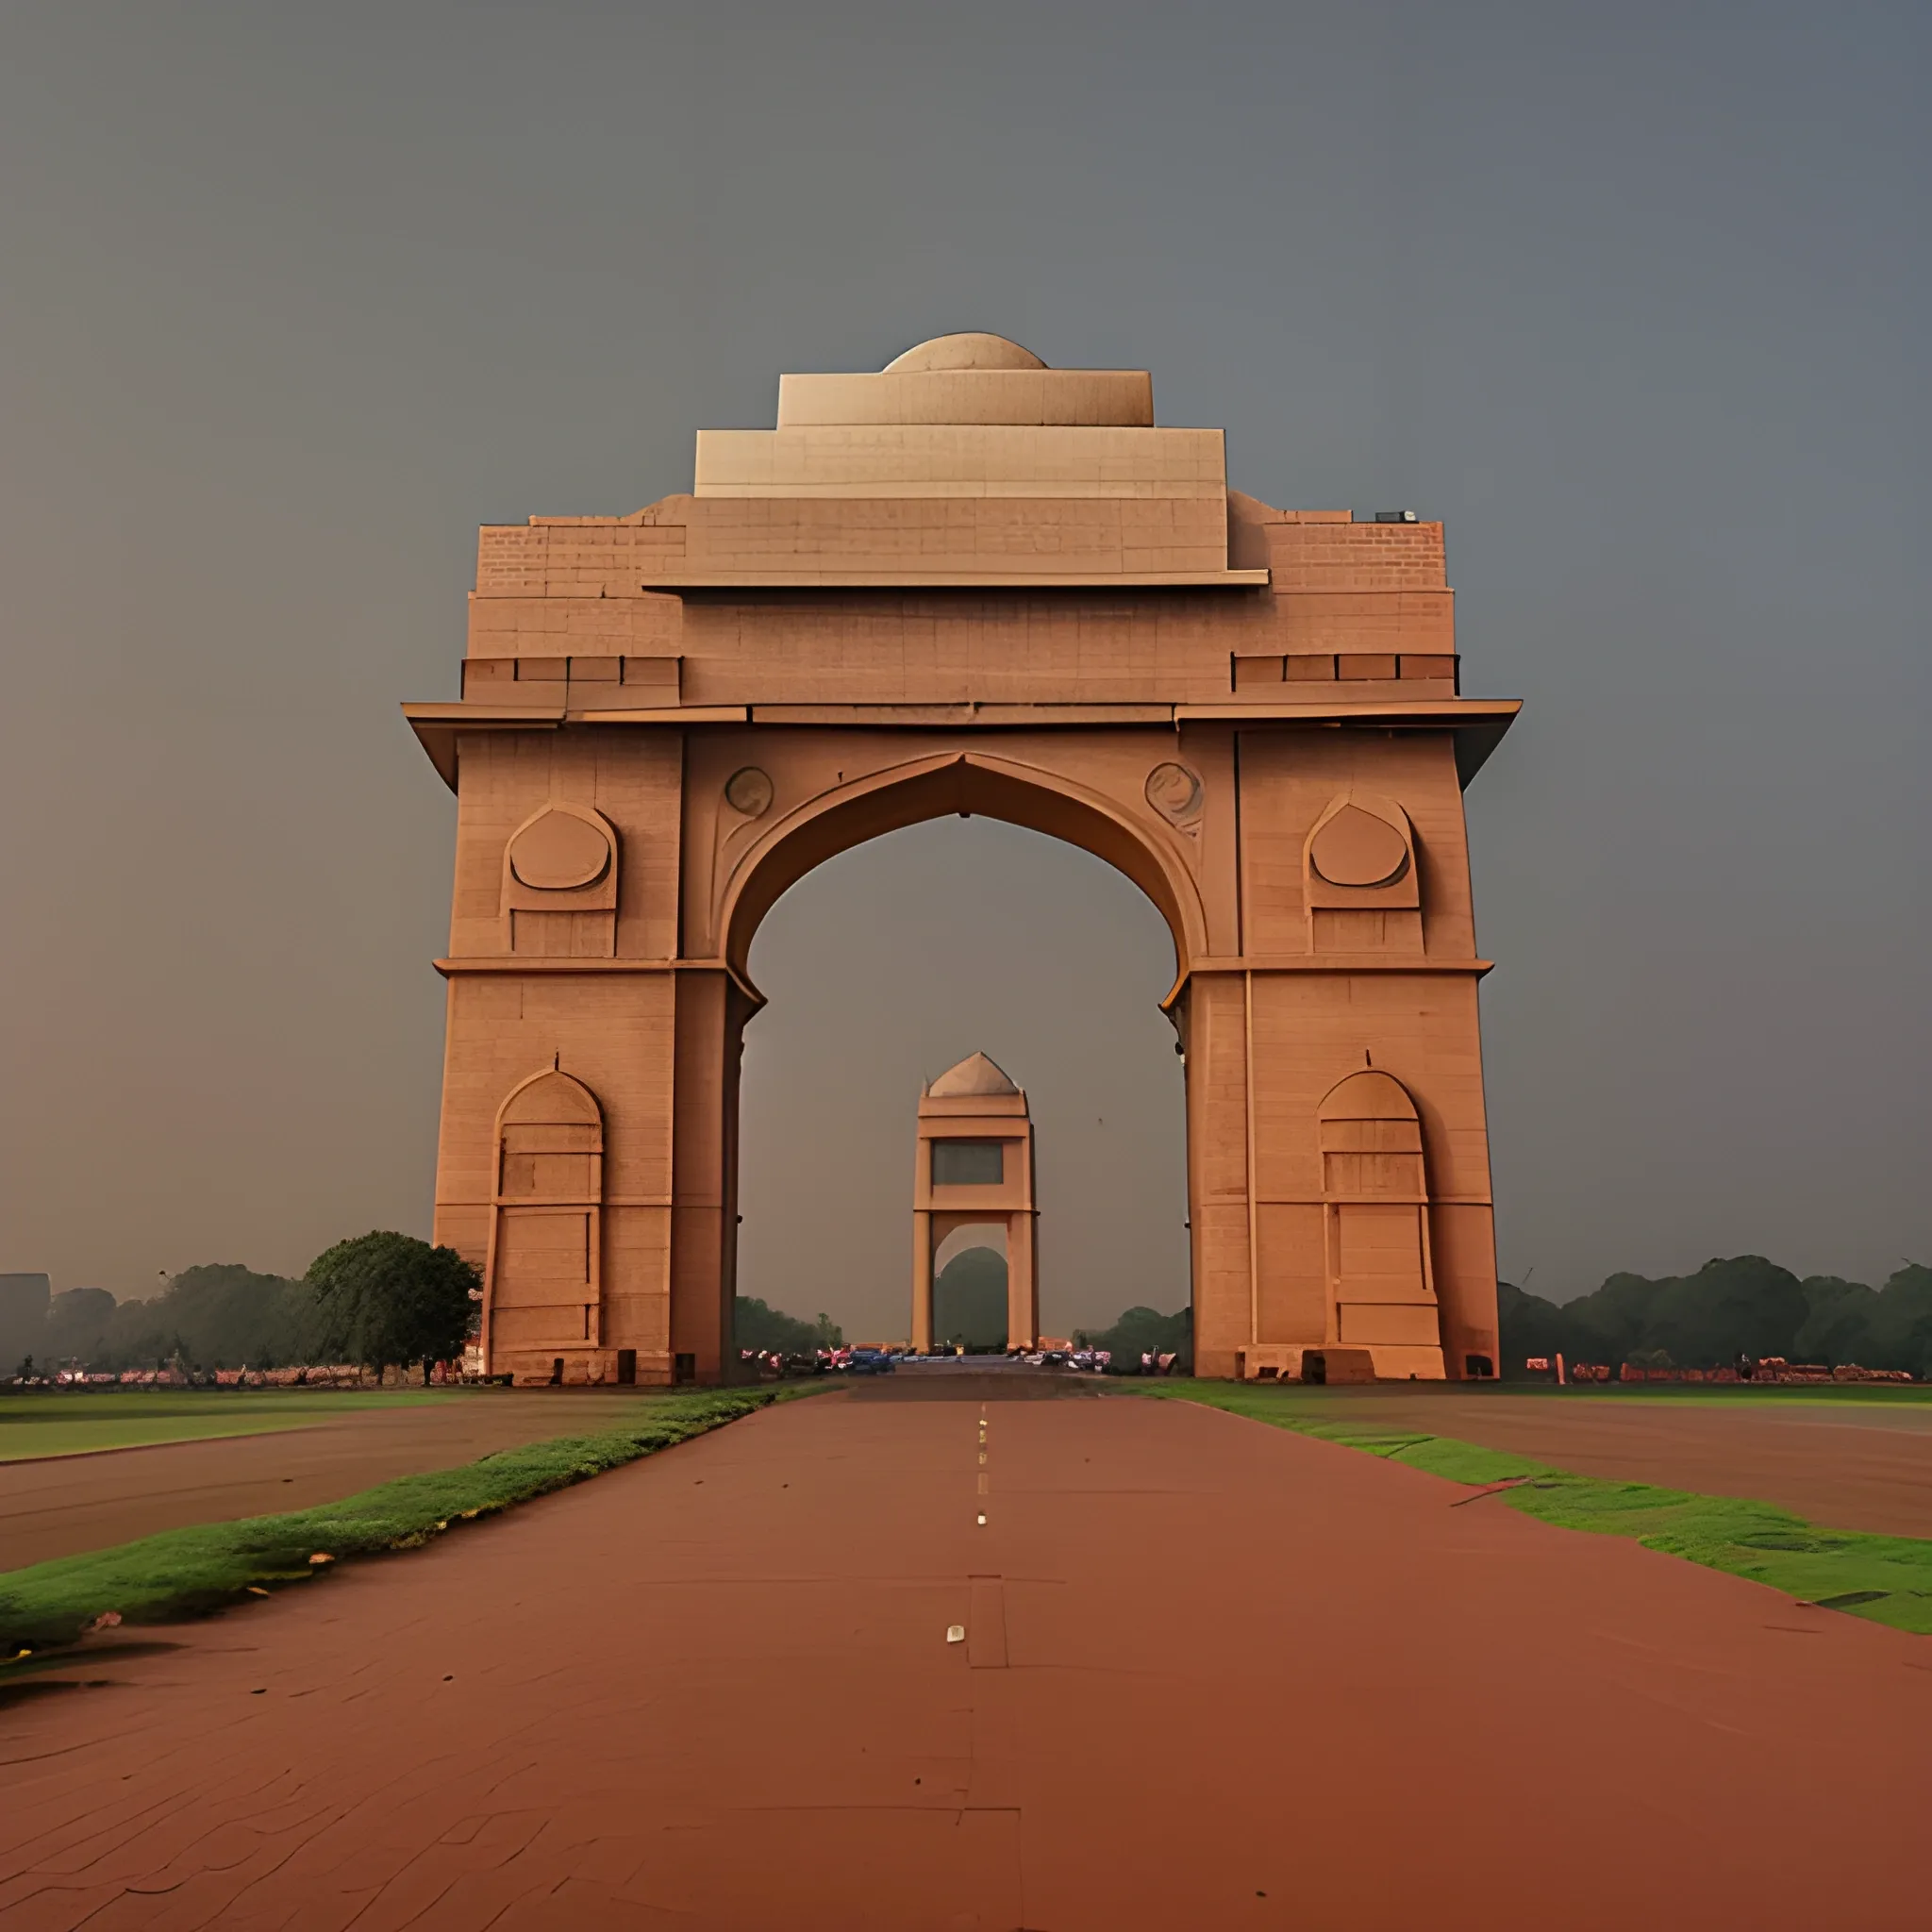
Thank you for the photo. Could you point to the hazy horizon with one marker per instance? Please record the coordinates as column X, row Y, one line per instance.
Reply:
column 1632, row 300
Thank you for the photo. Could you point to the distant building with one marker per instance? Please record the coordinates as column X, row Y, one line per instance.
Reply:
column 23, row 1300
column 974, row 1163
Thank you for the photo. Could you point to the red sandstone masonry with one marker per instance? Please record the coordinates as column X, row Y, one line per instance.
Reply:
column 1231, row 702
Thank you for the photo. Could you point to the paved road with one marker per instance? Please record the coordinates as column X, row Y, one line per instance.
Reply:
column 1213, row 1674
column 1849, row 1465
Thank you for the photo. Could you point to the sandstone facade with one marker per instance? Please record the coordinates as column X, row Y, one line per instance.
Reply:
column 967, row 584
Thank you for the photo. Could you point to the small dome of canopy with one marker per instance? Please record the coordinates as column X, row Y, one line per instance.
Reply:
column 973, row 1076
column 968, row 351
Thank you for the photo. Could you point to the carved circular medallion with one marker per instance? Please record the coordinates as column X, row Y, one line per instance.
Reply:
column 749, row 791
column 559, row 852
column 1355, row 848
column 1174, row 792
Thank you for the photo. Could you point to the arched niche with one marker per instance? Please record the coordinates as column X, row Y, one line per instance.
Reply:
column 1375, row 1207
column 542, row 1283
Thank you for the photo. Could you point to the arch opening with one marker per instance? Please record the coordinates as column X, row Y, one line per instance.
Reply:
column 904, row 954
column 971, row 1271
column 966, row 784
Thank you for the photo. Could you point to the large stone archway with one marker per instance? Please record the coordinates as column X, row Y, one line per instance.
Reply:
column 967, row 584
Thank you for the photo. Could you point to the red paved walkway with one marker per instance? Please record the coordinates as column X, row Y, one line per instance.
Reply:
column 1215, row 1675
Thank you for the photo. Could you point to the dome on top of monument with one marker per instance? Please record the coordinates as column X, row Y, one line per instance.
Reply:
column 975, row 1075
column 964, row 351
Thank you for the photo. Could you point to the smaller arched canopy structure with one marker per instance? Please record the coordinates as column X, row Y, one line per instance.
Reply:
column 974, row 1163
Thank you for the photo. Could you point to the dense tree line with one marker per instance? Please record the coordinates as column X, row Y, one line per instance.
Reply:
column 388, row 1299
column 219, row 1316
column 382, row 1300
column 774, row 1331
column 1743, row 1305
column 1140, row 1331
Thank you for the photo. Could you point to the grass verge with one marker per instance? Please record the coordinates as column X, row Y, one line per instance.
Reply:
column 1887, row 1579
column 187, row 1572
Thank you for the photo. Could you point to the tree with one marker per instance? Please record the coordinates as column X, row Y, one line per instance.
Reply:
column 220, row 1314
column 77, row 1324
column 1142, row 1330
column 1837, row 1326
column 1902, row 1322
column 1746, row 1305
column 389, row 1299
column 1609, row 1322
column 758, row 1327
column 1530, row 1326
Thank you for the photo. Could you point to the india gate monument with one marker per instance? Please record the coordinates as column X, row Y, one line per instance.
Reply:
column 966, row 584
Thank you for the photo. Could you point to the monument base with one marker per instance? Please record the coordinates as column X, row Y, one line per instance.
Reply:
column 586, row 1368
column 1299, row 1361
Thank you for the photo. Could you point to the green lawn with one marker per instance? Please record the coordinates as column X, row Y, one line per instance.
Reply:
column 86, row 1421
column 189, row 1572
column 1887, row 1578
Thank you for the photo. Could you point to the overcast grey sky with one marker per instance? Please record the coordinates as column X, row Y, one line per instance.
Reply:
column 1635, row 298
